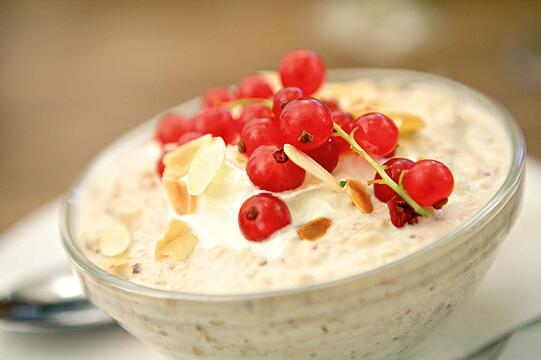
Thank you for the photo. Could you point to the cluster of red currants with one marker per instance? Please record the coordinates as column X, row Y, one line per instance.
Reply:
column 292, row 116
column 427, row 182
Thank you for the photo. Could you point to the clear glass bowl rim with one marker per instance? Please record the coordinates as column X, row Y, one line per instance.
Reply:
column 504, row 193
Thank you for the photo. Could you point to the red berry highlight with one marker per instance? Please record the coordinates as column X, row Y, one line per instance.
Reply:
column 284, row 96
column 189, row 136
column 303, row 69
column 345, row 120
column 394, row 167
column 261, row 215
column 217, row 96
column 270, row 169
column 218, row 122
column 376, row 134
column 428, row 182
column 326, row 155
column 253, row 111
column 401, row 213
column 259, row 132
column 306, row 123
column 254, row 87
column 171, row 127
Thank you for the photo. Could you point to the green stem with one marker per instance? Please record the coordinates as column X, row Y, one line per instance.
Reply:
column 246, row 101
column 386, row 178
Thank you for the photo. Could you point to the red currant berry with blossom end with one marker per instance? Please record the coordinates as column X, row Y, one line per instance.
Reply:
column 259, row 132
column 345, row 120
column 401, row 213
column 254, row 87
column 217, row 96
column 428, row 182
column 253, row 111
column 283, row 96
column 393, row 167
column 326, row 155
column 332, row 104
column 171, row 127
column 189, row 136
column 304, row 69
column 270, row 169
column 218, row 122
column 376, row 134
column 306, row 123
column 261, row 215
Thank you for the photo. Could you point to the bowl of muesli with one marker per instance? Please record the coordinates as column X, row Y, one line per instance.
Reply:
column 303, row 214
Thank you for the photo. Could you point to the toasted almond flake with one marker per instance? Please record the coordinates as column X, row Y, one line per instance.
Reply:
column 177, row 244
column 118, row 265
column 204, row 166
column 177, row 195
column 114, row 240
column 177, row 162
column 359, row 195
column 311, row 166
column 407, row 123
column 314, row 229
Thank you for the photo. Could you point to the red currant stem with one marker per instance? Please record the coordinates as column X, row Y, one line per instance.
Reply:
column 246, row 101
column 380, row 170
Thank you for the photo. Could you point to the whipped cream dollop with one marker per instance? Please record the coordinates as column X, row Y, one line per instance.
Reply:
column 215, row 221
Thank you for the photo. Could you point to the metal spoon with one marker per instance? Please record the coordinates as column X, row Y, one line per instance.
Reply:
column 50, row 303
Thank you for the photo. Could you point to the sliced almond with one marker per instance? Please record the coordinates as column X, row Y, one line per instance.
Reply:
column 314, row 229
column 118, row 265
column 114, row 240
column 204, row 166
column 359, row 195
column 177, row 243
column 177, row 162
column 311, row 166
column 407, row 123
column 177, row 195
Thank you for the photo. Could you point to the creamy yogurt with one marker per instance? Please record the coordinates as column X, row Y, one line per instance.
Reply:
column 458, row 132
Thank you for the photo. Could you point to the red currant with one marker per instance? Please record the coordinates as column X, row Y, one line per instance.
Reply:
column 326, row 155
column 217, row 96
column 303, row 69
column 306, row 123
column 255, row 87
column 253, row 111
column 218, row 122
column 171, row 127
column 259, row 132
column 270, row 169
column 189, row 136
column 428, row 182
column 282, row 97
column 261, row 215
column 345, row 120
column 332, row 104
column 394, row 168
column 401, row 213
column 376, row 134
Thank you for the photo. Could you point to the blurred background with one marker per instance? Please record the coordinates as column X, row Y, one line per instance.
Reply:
column 76, row 74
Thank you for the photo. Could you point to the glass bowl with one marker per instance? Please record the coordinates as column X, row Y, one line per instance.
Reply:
column 379, row 314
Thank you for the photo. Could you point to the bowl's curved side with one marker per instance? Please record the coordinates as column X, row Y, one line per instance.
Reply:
column 377, row 319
